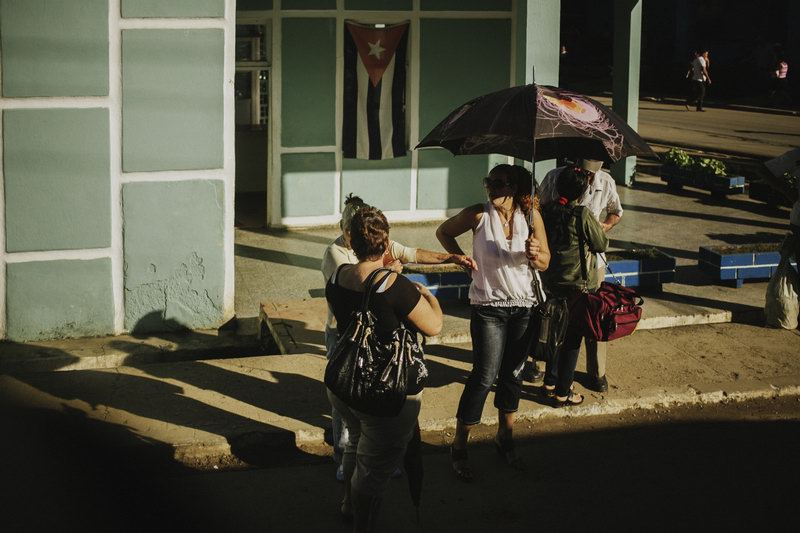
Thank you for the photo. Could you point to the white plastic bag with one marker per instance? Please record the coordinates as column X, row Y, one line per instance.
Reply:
column 781, row 308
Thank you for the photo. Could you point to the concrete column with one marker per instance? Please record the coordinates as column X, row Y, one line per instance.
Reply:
column 537, row 45
column 625, row 100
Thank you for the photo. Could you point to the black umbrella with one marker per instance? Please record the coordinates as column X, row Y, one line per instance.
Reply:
column 567, row 124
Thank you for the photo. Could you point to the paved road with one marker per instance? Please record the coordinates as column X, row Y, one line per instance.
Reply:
column 729, row 467
column 762, row 135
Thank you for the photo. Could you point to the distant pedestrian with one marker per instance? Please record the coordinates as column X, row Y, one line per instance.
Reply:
column 780, row 81
column 698, row 74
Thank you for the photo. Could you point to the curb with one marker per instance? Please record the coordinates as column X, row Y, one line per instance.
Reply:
column 222, row 454
column 49, row 357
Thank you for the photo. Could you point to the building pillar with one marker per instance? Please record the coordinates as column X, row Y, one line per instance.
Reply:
column 627, row 52
column 538, row 49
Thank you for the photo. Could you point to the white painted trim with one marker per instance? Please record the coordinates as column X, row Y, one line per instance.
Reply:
column 612, row 275
column 229, row 159
column 177, row 175
column 425, row 215
column 274, row 193
column 308, row 149
column 2, row 219
column 413, row 101
column 369, row 17
column 54, row 102
column 58, row 255
column 338, row 107
column 745, row 267
column 172, row 24
column 115, row 157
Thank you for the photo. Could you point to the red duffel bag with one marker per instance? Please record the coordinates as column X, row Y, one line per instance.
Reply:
column 612, row 312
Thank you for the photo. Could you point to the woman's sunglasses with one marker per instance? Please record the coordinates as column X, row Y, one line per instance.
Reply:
column 495, row 182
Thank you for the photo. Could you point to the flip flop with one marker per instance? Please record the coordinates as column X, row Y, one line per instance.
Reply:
column 573, row 398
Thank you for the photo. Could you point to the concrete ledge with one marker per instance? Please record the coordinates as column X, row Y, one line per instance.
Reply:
column 110, row 352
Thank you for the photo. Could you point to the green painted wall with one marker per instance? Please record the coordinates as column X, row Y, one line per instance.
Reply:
column 57, row 179
column 307, row 184
column 383, row 5
column 466, row 5
column 308, row 4
column 308, row 82
column 447, row 182
column 173, row 8
column 446, row 81
column 55, row 299
column 384, row 183
column 174, row 257
column 54, row 47
column 172, row 103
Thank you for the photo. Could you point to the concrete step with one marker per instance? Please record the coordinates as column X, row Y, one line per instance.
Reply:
column 298, row 326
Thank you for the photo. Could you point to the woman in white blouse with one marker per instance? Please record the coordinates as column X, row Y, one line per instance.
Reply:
column 508, row 253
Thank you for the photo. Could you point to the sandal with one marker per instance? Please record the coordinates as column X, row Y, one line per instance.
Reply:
column 573, row 398
column 549, row 391
column 461, row 467
column 506, row 448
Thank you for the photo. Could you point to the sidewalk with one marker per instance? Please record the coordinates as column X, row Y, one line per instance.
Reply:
column 226, row 412
column 230, row 410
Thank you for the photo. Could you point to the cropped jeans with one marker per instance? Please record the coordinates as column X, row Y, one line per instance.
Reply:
column 501, row 338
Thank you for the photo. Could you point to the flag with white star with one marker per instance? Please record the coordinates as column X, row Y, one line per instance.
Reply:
column 374, row 91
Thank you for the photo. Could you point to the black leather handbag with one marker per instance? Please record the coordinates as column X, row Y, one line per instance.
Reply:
column 369, row 375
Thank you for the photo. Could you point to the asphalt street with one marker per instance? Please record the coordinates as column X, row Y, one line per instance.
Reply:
column 728, row 466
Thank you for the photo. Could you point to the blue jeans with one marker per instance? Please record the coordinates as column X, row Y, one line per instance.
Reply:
column 501, row 338
column 339, row 432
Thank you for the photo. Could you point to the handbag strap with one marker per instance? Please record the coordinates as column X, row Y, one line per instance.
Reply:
column 372, row 287
column 576, row 212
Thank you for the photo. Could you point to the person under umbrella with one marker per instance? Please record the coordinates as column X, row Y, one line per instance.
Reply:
column 564, row 218
column 502, row 299
column 602, row 200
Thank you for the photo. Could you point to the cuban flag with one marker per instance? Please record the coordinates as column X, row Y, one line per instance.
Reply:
column 374, row 124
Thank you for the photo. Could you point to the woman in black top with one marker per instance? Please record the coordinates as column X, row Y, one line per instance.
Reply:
column 377, row 444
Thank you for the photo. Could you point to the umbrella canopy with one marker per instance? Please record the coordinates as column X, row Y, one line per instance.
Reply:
column 566, row 124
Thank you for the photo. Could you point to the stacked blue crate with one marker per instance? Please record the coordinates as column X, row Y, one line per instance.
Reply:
column 736, row 267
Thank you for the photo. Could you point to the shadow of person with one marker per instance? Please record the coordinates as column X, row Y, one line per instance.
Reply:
column 269, row 389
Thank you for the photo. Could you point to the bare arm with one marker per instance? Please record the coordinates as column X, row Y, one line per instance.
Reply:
column 537, row 250
column 427, row 314
column 610, row 221
column 466, row 220
column 429, row 257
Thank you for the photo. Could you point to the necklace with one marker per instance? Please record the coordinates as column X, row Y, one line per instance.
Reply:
column 501, row 214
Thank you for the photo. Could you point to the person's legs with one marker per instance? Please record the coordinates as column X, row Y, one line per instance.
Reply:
column 701, row 94
column 488, row 329
column 381, row 447
column 567, row 360
column 349, row 451
column 519, row 329
column 339, row 433
column 596, row 364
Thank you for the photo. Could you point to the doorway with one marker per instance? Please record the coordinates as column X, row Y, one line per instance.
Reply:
column 251, row 89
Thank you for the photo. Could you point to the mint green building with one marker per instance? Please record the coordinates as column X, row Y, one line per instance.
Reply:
column 135, row 133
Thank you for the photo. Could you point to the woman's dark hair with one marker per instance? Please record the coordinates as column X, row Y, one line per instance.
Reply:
column 571, row 183
column 369, row 233
column 351, row 205
column 521, row 179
